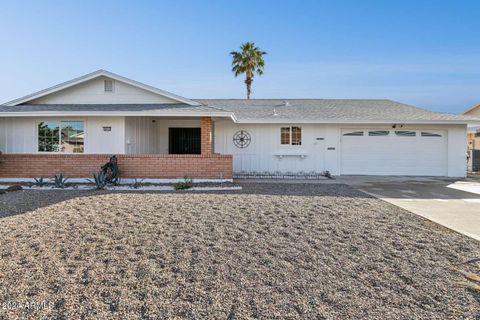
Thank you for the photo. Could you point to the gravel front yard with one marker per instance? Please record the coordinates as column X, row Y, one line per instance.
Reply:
column 290, row 251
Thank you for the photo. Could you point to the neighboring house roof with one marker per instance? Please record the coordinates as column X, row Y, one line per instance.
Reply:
column 328, row 111
column 93, row 75
column 469, row 110
column 177, row 109
column 473, row 129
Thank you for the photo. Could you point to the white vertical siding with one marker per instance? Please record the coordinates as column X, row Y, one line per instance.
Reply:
column 93, row 92
column 99, row 141
column 326, row 154
column 19, row 135
column 2, row 134
column 321, row 144
column 263, row 153
column 141, row 135
column 457, row 151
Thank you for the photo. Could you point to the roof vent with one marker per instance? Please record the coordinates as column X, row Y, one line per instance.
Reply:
column 108, row 85
column 275, row 112
column 286, row 103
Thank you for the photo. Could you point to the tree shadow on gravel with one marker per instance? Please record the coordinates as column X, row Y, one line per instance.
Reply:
column 13, row 203
column 19, row 202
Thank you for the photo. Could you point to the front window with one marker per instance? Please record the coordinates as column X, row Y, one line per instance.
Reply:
column 291, row 136
column 61, row 136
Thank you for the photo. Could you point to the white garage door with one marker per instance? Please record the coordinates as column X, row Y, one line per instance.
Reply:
column 394, row 152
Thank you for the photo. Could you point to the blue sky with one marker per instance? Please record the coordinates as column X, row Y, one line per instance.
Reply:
column 424, row 53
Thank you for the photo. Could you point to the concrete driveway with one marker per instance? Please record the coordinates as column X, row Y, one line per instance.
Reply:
column 453, row 203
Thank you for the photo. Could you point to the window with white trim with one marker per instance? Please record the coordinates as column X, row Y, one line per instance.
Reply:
column 61, row 136
column 108, row 85
column 291, row 136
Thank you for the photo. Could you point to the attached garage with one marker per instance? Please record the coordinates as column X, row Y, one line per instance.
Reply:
column 394, row 152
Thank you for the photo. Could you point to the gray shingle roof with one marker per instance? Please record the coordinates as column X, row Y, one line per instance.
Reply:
column 268, row 110
column 328, row 110
column 177, row 107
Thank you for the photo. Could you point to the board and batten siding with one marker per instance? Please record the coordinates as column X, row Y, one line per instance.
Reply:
column 140, row 135
column 93, row 92
column 266, row 154
column 262, row 155
column 19, row 135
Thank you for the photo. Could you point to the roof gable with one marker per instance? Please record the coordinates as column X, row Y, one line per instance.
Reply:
column 473, row 111
column 88, row 89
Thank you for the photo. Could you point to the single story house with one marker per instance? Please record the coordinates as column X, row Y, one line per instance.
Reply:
column 74, row 127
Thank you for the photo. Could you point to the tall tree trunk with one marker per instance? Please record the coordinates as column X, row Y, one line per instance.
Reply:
column 248, row 82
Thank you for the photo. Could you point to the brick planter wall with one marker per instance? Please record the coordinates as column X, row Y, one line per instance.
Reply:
column 211, row 166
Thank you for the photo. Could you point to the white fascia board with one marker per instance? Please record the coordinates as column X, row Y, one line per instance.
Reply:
column 279, row 121
column 115, row 114
column 93, row 75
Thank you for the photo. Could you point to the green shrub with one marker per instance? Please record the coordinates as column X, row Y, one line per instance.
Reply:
column 187, row 183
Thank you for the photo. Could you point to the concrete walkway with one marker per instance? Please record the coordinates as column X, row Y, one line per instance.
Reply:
column 453, row 203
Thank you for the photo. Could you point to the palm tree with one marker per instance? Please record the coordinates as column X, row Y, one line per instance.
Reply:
column 249, row 60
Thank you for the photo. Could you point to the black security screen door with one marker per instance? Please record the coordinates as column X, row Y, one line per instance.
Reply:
column 184, row 140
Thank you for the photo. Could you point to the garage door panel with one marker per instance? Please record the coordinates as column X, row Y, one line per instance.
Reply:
column 394, row 154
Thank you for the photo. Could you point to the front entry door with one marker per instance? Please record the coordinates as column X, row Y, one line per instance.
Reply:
column 184, row 141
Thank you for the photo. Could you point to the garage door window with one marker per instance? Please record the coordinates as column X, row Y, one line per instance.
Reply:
column 378, row 133
column 406, row 133
column 354, row 134
column 430, row 134
column 291, row 136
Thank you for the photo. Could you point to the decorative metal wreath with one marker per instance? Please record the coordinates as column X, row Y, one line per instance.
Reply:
column 241, row 139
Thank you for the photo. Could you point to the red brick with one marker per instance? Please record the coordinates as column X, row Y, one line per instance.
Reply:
column 205, row 166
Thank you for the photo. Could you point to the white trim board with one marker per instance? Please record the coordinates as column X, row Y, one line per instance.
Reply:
column 218, row 114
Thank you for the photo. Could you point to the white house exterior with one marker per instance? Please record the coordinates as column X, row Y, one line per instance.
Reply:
column 105, row 114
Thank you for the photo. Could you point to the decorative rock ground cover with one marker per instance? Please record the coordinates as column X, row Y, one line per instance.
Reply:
column 323, row 251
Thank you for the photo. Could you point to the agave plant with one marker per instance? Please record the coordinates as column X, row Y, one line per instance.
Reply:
column 328, row 175
column 60, row 181
column 39, row 182
column 100, row 180
column 136, row 184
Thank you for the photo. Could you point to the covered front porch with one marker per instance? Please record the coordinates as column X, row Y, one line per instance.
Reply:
column 154, row 147
column 169, row 135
